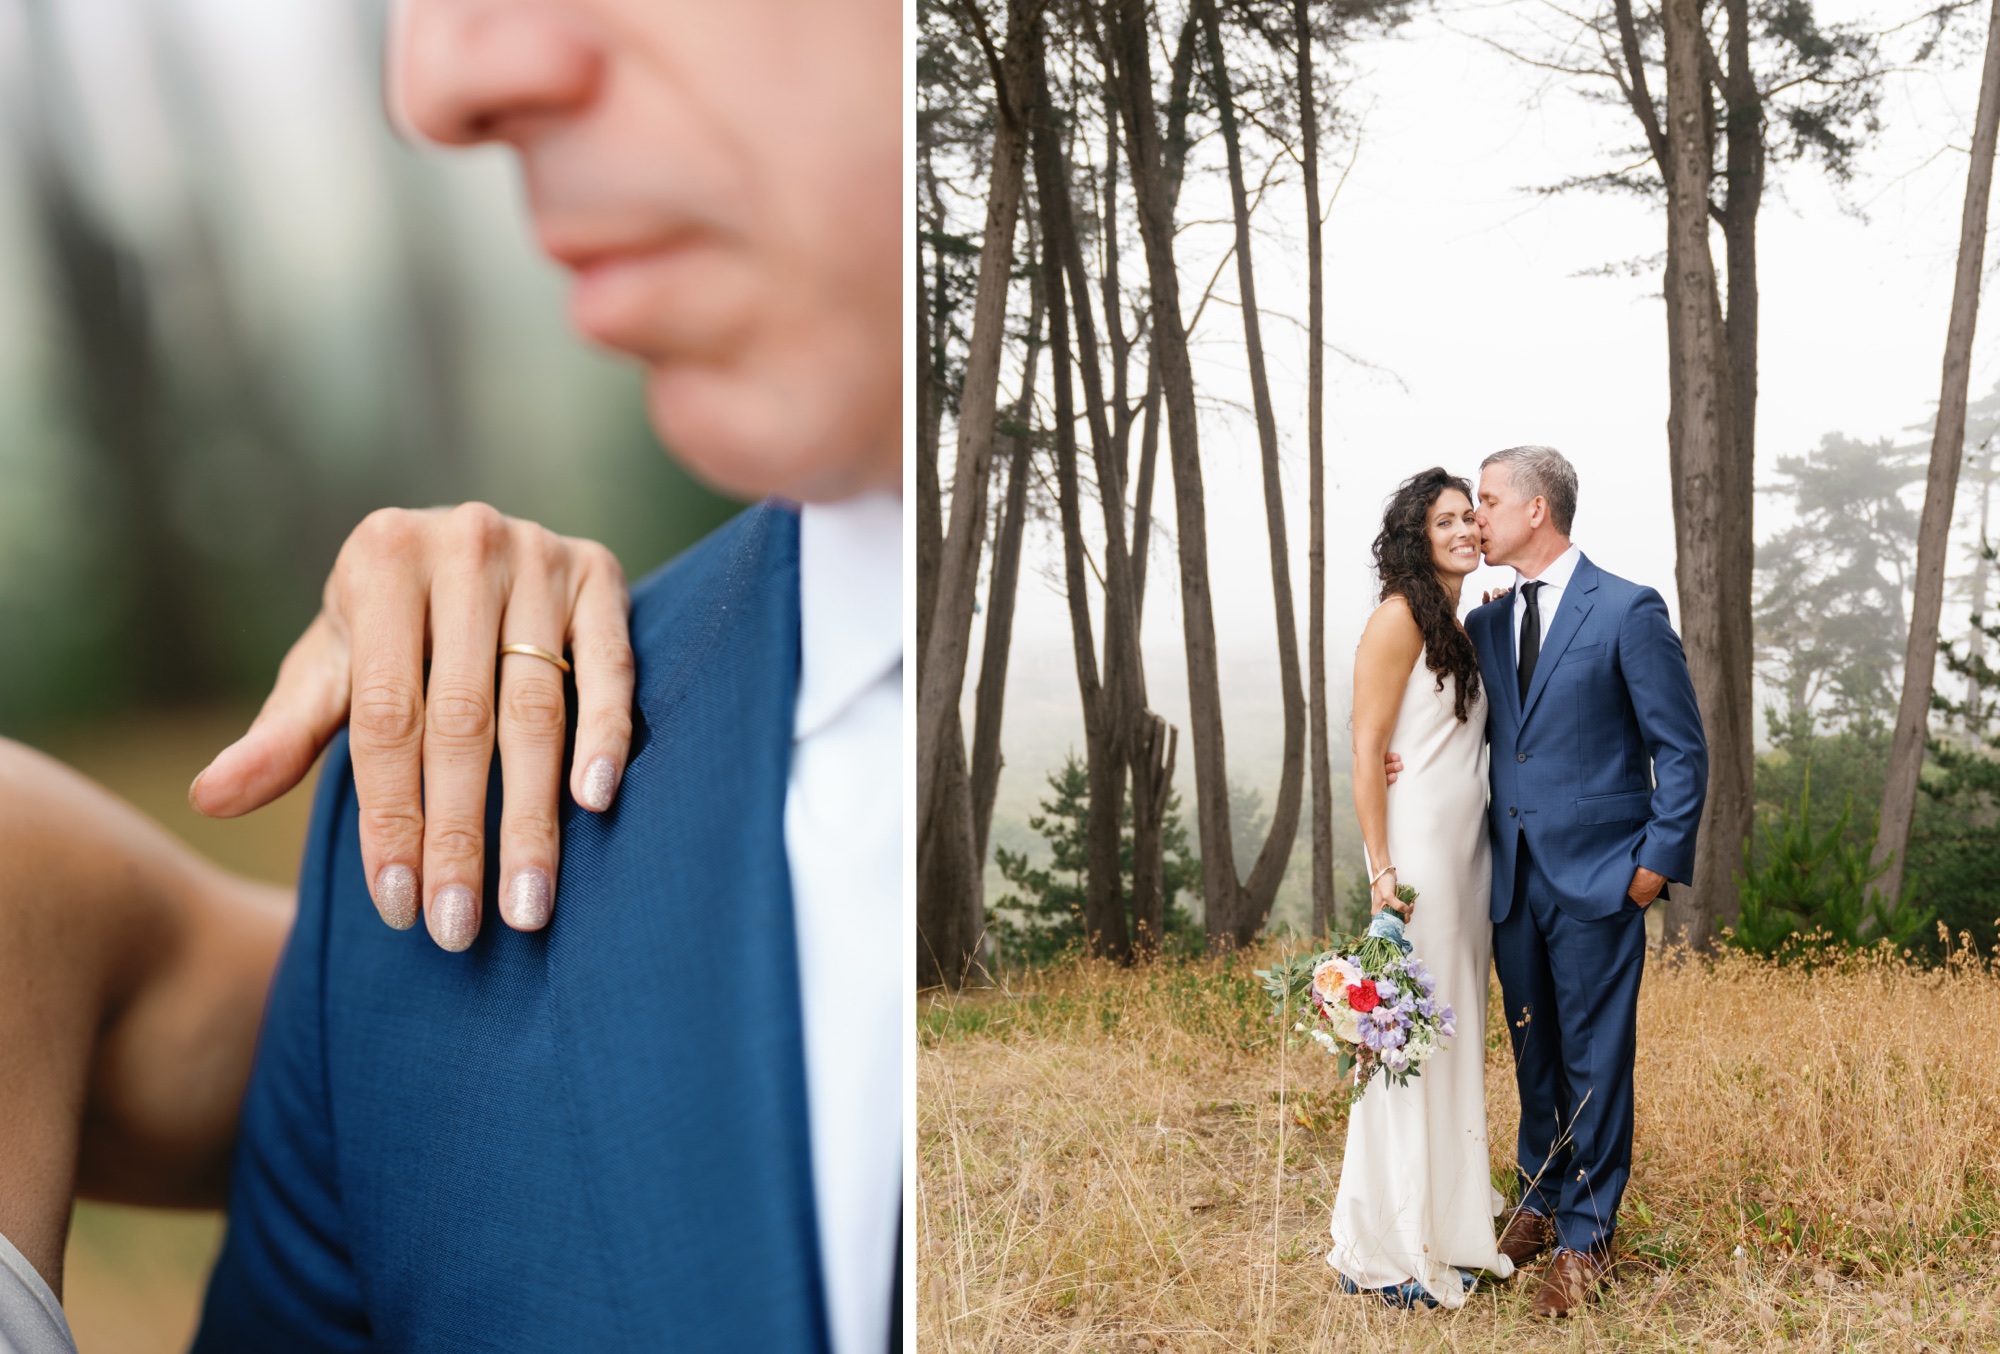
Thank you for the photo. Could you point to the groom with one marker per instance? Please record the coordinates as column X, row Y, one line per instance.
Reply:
column 1599, row 770
column 672, row 1119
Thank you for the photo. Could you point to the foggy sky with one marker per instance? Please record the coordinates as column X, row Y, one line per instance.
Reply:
column 1453, row 276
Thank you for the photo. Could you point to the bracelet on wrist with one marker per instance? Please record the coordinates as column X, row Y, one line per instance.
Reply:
column 1376, row 877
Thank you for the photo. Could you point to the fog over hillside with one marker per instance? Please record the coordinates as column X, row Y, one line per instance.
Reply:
column 1473, row 311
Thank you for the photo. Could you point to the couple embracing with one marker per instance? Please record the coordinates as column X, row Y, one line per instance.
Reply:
column 1537, row 775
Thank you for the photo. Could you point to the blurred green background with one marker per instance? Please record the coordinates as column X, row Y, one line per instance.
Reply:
column 237, row 313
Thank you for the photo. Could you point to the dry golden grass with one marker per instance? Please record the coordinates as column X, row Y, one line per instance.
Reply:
column 1127, row 1160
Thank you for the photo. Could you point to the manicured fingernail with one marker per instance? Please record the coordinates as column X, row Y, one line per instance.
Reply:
column 528, row 902
column 600, row 782
column 194, row 785
column 396, row 896
column 454, row 917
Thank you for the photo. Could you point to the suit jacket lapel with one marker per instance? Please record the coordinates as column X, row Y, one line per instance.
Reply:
column 1577, row 600
column 676, row 982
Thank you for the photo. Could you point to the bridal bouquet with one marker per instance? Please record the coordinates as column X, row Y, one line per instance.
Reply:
column 1368, row 1001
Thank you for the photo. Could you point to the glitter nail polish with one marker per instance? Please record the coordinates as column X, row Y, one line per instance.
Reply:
column 396, row 896
column 454, row 917
column 528, row 901
column 600, row 781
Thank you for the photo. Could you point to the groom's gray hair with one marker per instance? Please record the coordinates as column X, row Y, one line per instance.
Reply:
column 1544, row 471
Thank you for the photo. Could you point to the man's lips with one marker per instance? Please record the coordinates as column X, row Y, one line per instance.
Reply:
column 582, row 254
column 664, row 294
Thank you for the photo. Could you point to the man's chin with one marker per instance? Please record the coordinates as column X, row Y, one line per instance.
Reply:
column 751, row 443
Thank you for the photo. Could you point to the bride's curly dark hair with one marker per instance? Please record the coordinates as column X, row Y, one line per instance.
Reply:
column 1403, row 562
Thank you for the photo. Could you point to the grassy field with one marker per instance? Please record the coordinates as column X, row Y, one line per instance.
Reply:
column 134, row 1277
column 1128, row 1160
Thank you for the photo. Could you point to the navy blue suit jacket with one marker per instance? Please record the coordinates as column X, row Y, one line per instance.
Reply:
column 591, row 1138
column 1604, row 766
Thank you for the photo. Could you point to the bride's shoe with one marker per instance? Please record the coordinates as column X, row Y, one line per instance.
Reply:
column 1408, row 1295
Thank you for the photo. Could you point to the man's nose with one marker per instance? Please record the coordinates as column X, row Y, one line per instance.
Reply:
column 464, row 72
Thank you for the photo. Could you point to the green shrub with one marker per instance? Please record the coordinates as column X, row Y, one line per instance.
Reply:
column 1815, row 886
column 1043, row 922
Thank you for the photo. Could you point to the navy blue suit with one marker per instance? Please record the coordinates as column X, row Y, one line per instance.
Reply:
column 594, row 1137
column 1601, row 769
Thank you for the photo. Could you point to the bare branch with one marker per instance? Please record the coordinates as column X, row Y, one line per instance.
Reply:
column 975, row 22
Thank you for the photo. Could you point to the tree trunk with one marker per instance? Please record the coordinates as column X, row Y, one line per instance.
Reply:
column 1743, row 197
column 1142, row 491
column 950, row 929
column 1151, row 757
column 1180, row 81
column 1124, row 720
column 1103, row 892
column 1322, row 765
column 989, row 702
column 1906, row 749
column 930, row 493
column 1982, row 570
column 113, row 381
column 1132, row 58
column 1253, row 904
column 1701, row 436
column 951, row 887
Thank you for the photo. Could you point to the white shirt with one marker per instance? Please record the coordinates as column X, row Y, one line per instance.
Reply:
column 844, row 840
column 31, row 1320
column 1555, row 579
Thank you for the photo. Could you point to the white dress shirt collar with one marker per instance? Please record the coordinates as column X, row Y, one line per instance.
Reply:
column 1555, row 580
column 850, row 603
column 1558, row 574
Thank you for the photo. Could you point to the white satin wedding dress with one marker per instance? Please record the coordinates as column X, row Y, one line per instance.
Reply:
column 1416, row 1199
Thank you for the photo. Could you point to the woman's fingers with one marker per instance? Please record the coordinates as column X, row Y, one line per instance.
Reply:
column 533, row 706
column 304, row 710
column 467, row 594
column 384, row 595
column 602, row 651
column 442, row 581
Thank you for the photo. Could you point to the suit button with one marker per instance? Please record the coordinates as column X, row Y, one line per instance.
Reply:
column 1512, row 812
column 1520, row 756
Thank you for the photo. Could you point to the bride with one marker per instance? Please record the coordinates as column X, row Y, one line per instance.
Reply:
column 1413, row 1218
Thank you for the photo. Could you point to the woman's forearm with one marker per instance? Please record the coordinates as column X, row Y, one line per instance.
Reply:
column 1383, row 661
column 1371, row 802
column 132, row 973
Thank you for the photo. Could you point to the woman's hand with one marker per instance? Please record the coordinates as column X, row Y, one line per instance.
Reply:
column 451, row 585
column 1382, row 895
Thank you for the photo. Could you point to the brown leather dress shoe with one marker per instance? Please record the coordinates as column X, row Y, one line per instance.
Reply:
column 1572, row 1280
column 1526, row 1236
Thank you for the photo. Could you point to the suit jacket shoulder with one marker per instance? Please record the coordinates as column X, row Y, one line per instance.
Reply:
column 1483, row 618
column 1616, row 590
column 592, row 1136
column 681, row 608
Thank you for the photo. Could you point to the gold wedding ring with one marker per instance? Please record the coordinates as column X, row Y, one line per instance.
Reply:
column 537, row 651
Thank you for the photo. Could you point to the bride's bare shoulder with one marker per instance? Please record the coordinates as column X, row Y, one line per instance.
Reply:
column 1392, row 617
column 1392, row 632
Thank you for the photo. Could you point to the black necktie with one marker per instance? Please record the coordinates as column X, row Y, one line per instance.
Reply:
column 1531, row 635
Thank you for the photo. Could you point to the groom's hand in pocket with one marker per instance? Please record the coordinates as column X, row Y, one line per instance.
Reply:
column 449, row 585
column 1646, row 886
